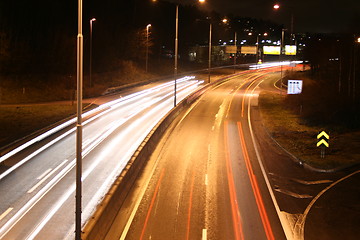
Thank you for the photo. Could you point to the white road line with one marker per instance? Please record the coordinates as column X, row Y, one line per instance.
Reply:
column 204, row 234
column 299, row 226
column 178, row 204
column 206, row 180
column 284, row 222
column 42, row 175
column 2, row 216
column 137, row 204
column 112, row 104
column 8, row 226
column 46, row 177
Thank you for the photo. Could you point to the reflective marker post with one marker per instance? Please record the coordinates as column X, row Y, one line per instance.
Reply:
column 323, row 142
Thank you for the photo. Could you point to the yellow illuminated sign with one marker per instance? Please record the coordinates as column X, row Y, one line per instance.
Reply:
column 248, row 49
column 230, row 49
column 323, row 139
column 290, row 49
column 271, row 50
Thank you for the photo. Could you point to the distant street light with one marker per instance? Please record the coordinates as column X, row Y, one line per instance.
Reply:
column 90, row 65
column 292, row 35
column 147, row 46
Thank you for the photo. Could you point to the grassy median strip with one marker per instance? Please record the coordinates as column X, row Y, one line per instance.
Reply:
column 19, row 121
column 299, row 138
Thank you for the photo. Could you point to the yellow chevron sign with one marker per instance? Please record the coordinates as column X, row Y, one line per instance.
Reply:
column 322, row 141
column 323, row 134
column 323, row 138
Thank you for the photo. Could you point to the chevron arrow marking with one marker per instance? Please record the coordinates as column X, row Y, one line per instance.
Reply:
column 323, row 133
column 322, row 141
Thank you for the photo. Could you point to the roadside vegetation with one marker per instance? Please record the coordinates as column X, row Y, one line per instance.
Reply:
column 295, row 120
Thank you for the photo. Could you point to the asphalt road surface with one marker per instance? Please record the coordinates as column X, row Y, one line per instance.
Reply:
column 37, row 183
column 205, row 180
column 218, row 174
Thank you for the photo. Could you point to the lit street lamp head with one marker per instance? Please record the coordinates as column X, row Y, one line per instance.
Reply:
column 276, row 6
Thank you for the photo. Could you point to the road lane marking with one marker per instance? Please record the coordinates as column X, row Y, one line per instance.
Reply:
column 137, row 204
column 190, row 205
column 232, row 97
column 19, row 215
column 111, row 105
column 255, row 187
column 152, row 203
column 237, row 224
column 247, row 89
column 204, row 234
column 46, row 177
column 299, row 227
column 206, row 180
column 42, row 175
column 246, row 80
column 2, row 216
column 283, row 220
column 178, row 204
column 292, row 194
column 42, row 192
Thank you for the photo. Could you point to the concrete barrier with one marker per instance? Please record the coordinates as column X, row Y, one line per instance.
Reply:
column 98, row 225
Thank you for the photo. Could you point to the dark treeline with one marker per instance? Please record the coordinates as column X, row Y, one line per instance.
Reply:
column 332, row 96
column 40, row 36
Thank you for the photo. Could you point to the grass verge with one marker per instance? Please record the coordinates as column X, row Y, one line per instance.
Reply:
column 17, row 122
column 299, row 138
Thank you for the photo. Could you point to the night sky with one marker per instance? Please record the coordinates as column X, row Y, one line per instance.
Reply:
column 324, row 16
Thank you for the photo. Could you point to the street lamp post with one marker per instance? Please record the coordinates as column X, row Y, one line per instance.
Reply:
column 79, row 70
column 209, row 63
column 235, row 39
column 90, row 65
column 257, row 49
column 147, row 47
column 210, row 46
column 176, row 47
column 280, row 58
column 176, row 50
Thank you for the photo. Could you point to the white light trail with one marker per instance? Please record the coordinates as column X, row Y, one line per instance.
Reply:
column 189, row 86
